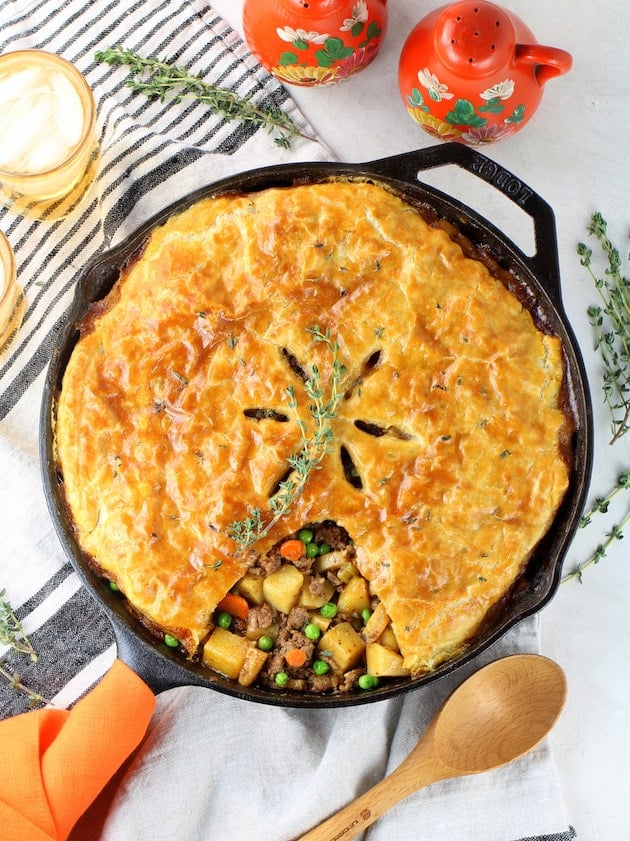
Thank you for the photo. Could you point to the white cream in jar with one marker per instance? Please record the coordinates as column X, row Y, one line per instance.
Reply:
column 42, row 120
column 47, row 115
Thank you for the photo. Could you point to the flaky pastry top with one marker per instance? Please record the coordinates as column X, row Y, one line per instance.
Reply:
column 446, row 464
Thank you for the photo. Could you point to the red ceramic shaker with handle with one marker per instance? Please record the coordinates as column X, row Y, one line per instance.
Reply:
column 473, row 72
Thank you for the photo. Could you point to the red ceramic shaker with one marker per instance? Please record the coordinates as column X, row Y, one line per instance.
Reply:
column 473, row 72
column 314, row 42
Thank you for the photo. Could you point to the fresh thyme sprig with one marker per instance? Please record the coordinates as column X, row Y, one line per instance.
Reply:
column 11, row 631
column 601, row 506
column 15, row 681
column 611, row 322
column 12, row 634
column 323, row 409
column 160, row 80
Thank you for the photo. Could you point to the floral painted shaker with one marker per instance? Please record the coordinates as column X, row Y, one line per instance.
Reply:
column 314, row 42
column 473, row 72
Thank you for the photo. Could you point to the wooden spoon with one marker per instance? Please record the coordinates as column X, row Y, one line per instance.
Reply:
column 496, row 715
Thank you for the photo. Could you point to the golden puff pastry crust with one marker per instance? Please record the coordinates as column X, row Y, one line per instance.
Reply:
column 447, row 461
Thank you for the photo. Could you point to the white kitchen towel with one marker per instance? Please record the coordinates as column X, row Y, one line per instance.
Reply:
column 211, row 766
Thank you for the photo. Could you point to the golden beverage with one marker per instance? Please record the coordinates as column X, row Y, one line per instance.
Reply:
column 11, row 298
column 48, row 150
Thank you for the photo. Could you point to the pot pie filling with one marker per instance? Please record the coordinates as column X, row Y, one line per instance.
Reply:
column 315, row 359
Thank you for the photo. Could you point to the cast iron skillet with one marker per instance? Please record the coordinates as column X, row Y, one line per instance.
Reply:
column 539, row 275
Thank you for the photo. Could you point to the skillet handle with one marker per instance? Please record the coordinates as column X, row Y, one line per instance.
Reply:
column 544, row 263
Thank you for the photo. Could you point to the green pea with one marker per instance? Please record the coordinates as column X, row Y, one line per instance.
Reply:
column 368, row 681
column 171, row 641
column 265, row 643
column 114, row 587
column 282, row 678
column 329, row 610
column 305, row 535
column 320, row 667
column 324, row 548
column 312, row 550
column 312, row 631
column 224, row 620
column 365, row 614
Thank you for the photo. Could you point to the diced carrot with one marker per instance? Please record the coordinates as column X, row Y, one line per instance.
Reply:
column 235, row 605
column 295, row 657
column 292, row 550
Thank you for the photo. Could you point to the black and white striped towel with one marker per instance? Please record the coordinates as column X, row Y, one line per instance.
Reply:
column 205, row 752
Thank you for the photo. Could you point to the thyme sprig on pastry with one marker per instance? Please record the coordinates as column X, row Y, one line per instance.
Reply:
column 159, row 80
column 323, row 409
column 611, row 321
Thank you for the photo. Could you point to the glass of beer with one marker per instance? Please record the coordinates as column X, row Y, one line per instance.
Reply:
column 48, row 148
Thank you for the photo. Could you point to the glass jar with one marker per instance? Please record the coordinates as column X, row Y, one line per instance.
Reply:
column 11, row 298
column 48, row 148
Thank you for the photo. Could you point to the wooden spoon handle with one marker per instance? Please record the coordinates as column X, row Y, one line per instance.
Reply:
column 419, row 769
column 355, row 817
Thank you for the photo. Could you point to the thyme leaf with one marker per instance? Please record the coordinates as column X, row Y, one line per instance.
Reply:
column 161, row 81
column 610, row 320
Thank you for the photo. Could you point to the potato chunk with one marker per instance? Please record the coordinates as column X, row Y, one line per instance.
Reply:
column 251, row 588
column 345, row 645
column 322, row 622
column 282, row 588
column 225, row 652
column 354, row 597
column 388, row 639
column 383, row 662
column 255, row 633
column 376, row 624
column 255, row 659
column 311, row 600
column 331, row 560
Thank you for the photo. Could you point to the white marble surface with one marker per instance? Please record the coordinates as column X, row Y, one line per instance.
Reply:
column 574, row 153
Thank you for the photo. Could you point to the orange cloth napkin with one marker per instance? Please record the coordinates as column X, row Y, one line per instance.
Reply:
column 55, row 762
